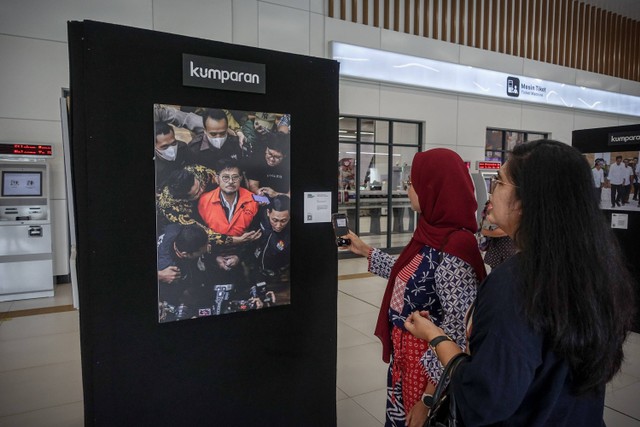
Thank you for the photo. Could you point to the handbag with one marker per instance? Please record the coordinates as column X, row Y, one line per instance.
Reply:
column 444, row 412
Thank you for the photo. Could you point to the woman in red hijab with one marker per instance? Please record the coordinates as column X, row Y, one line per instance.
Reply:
column 438, row 271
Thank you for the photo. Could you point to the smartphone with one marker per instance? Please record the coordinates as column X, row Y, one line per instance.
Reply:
column 261, row 199
column 340, row 228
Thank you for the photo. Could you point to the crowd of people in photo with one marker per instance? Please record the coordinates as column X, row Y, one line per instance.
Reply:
column 223, row 210
column 622, row 178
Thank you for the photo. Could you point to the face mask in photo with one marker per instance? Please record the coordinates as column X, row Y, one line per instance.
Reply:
column 217, row 142
column 169, row 153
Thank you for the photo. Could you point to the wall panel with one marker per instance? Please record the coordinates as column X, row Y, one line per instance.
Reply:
column 569, row 33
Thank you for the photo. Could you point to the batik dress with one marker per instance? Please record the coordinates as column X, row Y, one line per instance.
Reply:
column 434, row 281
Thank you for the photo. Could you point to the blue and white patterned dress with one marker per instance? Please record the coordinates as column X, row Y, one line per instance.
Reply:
column 434, row 281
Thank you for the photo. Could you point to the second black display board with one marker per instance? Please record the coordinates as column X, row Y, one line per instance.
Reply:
column 257, row 367
column 595, row 143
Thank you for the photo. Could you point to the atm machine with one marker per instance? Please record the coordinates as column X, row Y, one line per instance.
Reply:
column 482, row 182
column 26, row 255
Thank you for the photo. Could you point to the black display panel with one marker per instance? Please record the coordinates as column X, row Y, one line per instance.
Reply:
column 616, row 147
column 274, row 366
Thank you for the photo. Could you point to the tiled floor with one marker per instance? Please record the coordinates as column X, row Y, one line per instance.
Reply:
column 40, row 375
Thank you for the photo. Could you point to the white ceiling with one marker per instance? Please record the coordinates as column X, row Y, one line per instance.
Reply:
column 628, row 8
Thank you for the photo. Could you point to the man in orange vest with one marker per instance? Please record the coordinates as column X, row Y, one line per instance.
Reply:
column 231, row 210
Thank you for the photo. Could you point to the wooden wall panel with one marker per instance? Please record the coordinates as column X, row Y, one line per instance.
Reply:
column 517, row 29
column 636, row 56
column 509, row 36
column 610, row 37
column 407, row 16
column 485, row 24
column 478, row 24
column 396, row 15
column 471, row 12
column 591, row 12
column 629, row 55
column 597, row 48
column 436, row 13
column 625, row 48
column 569, row 33
column 425, row 20
column 535, row 33
column 385, row 14
column 555, row 45
column 573, row 34
column 365, row 12
column 529, row 33
column 493, row 32
column 545, row 38
column 376, row 13
column 453, row 38
column 461, row 21
column 578, row 53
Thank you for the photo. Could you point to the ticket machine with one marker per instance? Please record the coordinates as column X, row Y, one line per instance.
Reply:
column 26, row 256
column 482, row 182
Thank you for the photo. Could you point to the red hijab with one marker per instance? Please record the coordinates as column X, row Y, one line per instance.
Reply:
column 447, row 222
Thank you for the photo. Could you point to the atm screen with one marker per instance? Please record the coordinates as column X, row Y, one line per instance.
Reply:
column 21, row 184
column 487, row 182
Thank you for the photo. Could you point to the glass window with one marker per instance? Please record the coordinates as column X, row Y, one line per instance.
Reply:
column 494, row 140
column 500, row 142
column 374, row 165
column 514, row 139
column 405, row 133
column 347, row 167
column 347, row 129
column 374, row 130
column 534, row 136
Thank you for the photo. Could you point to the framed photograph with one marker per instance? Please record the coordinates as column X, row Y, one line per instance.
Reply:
column 616, row 179
column 222, row 210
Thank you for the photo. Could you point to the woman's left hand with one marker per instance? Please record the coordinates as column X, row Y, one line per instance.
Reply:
column 417, row 415
column 420, row 326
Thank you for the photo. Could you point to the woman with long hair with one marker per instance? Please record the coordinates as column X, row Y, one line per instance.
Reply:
column 547, row 329
column 438, row 271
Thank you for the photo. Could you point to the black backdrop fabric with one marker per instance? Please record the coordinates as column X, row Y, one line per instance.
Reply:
column 274, row 366
column 596, row 140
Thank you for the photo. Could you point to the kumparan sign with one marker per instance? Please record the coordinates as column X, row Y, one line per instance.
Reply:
column 223, row 74
column 624, row 138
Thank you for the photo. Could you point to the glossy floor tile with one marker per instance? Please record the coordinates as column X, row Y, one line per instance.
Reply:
column 40, row 371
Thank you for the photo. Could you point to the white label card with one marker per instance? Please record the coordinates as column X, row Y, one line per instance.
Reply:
column 317, row 206
column 620, row 221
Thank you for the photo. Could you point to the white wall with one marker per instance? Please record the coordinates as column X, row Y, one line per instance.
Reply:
column 34, row 68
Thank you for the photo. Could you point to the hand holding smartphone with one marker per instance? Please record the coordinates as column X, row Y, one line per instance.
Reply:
column 340, row 228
